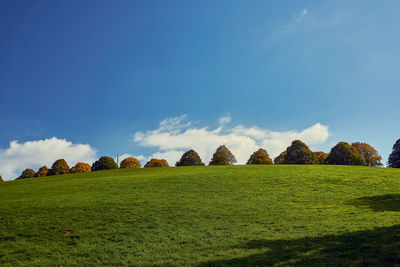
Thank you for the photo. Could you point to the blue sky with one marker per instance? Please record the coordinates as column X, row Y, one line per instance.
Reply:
column 99, row 72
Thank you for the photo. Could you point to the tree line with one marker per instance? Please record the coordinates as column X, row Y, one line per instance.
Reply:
column 343, row 153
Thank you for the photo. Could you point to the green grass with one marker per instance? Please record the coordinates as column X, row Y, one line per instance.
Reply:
column 204, row 216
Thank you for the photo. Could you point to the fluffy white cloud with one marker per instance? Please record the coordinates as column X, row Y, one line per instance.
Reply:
column 178, row 136
column 34, row 154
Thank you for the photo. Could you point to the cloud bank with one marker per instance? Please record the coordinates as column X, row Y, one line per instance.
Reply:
column 34, row 154
column 176, row 135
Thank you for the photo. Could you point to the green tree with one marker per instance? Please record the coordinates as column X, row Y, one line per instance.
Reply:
column 394, row 157
column 222, row 156
column 104, row 163
column 259, row 157
column 59, row 167
column 345, row 154
column 27, row 173
column 190, row 158
column 299, row 153
column 320, row 157
column 280, row 159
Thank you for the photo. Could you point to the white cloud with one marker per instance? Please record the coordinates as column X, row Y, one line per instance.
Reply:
column 34, row 154
column 224, row 120
column 299, row 17
column 174, row 140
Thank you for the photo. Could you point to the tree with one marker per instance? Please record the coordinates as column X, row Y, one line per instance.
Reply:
column 371, row 156
column 59, row 167
column 394, row 157
column 156, row 163
column 281, row 158
column 299, row 153
column 222, row 156
column 81, row 167
column 259, row 157
column 345, row 154
column 320, row 157
column 1, row 179
column 104, row 163
column 190, row 158
column 27, row 173
column 130, row 163
column 42, row 171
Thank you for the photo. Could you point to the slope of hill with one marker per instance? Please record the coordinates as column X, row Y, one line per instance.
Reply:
column 233, row 215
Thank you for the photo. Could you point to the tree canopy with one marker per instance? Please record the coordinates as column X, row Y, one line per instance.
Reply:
column 345, row 154
column 156, row 163
column 371, row 156
column 299, row 153
column 104, row 163
column 60, row 166
column 27, row 173
column 190, row 158
column 222, row 156
column 130, row 162
column 320, row 157
column 259, row 157
column 42, row 171
column 81, row 167
column 394, row 157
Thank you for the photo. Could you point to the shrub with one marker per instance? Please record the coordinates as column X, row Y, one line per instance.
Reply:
column 223, row 156
column 299, row 153
column 156, row 163
column 394, row 158
column 259, row 157
column 281, row 158
column 320, row 157
column 130, row 163
column 81, row 167
column 27, row 173
column 104, row 163
column 345, row 154
column 59, row 167
column 190, row 158
column 1, row 179
column 42, row 171
column 369, row 153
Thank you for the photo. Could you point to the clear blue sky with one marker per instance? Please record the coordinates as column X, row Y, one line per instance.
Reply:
column 96, row 72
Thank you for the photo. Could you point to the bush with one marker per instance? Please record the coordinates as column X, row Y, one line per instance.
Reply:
column 190, row 158
column 281, row 158
column 130, row 163
column 345, row 154
column 1, row 179
column 42, row 171
column 259, row 157
column 320, row 157
column 299, row 153
column 156, row 163
column 223, row 156
column 394, row 158
column 369, row 153
column 59, row 167
column 28, row 173
column 81, row 167
column 104, row 163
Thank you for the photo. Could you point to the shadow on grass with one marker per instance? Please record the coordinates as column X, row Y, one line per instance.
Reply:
column 377, row 247
column 390, row 202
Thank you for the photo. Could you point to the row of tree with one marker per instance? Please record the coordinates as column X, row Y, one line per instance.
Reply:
column 297, row 153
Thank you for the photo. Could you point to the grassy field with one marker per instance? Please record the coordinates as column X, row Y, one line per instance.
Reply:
column 204, row 216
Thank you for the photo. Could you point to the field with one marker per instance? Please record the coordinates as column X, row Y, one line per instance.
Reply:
column 204, row 216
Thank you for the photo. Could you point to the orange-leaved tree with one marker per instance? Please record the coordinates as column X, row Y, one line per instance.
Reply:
column 371, row 156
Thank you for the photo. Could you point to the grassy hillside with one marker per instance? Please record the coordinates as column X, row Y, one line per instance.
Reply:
column 243, row 215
